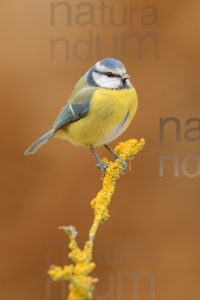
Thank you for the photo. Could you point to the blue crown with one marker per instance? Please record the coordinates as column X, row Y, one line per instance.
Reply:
column 112, row 63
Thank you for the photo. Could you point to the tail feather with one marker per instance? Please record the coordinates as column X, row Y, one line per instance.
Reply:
column 39, row 143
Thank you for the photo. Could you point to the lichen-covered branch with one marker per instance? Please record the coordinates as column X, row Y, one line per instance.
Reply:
column 81, row 284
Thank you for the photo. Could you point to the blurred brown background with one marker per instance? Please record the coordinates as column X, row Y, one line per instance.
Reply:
column 149, row 248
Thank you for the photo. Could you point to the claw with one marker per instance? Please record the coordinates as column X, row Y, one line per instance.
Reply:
column 124, row 165
column 103, row 167
column 116, row 156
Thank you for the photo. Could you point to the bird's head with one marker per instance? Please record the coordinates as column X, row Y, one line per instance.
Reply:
column 108, row 73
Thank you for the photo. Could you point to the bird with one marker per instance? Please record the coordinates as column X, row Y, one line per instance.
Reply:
column 99, row 109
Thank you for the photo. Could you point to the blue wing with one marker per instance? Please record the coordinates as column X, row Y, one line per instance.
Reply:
column 77, row 107
column 71, row 113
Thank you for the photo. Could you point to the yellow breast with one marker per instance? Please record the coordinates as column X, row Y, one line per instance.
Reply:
column 111, row 112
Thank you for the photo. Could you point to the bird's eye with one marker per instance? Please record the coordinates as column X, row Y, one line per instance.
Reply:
column 110, row 74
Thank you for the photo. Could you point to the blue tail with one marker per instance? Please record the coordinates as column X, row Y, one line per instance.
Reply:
column 41, row 141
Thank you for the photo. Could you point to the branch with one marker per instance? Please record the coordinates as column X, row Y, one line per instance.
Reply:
column 81, row 284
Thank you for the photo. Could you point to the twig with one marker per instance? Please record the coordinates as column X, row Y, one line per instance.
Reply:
column 81, row 285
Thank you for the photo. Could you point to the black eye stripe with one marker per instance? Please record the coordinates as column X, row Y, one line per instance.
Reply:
column 109, row 74
column 106, row 73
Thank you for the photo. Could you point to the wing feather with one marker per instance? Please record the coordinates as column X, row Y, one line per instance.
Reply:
column 71, row 113
column 77, row 106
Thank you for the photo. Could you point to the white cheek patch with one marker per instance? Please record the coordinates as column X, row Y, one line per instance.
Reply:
column 106, row 82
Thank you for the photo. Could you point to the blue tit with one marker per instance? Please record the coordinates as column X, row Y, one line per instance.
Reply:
column 100, row 108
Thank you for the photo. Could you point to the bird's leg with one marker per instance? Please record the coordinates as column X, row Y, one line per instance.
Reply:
column 101, row 165
column 124, row 164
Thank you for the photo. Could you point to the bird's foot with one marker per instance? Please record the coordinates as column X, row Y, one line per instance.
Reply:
column 116, row 156
column 124, row 165
column 103, row 167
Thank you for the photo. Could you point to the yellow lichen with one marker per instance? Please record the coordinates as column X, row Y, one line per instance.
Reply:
column 81, row 284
